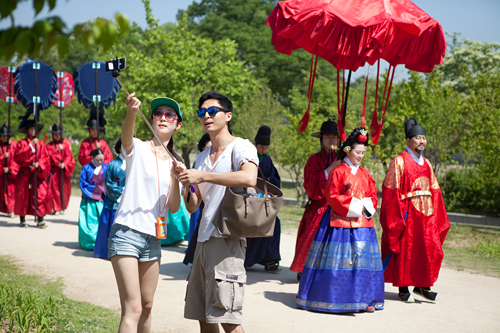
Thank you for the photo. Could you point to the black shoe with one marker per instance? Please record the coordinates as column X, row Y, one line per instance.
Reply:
column 406, row 297
column 298, row 276
column 272, row 266
column 23, row 225
column 426, row 293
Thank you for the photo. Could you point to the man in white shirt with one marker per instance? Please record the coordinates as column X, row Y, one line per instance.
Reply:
column 216, row 282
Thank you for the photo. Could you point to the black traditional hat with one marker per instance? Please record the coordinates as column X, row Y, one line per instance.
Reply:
column 413, row 128
column 328, row 126
column 56, row 128
column 263, row 136
column 29, row 123
column 92, row 123
column 4, row 130
column 118, row 146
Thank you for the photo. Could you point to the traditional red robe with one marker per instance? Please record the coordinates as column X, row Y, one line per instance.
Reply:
column 314, row 184
column 8, row 198
column 348, row 194
column 417, row 241
column 90, row 144
column 25, row 181
column 56, row 156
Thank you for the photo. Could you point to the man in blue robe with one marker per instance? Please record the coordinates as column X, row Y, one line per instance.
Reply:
column 266, row 250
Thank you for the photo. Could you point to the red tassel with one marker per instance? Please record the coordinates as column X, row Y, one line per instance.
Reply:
column 304, row 122
column 45, row 139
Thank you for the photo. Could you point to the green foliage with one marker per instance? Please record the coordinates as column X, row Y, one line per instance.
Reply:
column 46, row 33
column 244, row 21
column 25, row 310
column 30, row 303
column 175, row 62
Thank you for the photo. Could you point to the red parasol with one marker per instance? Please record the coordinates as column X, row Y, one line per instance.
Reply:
column 349, row 34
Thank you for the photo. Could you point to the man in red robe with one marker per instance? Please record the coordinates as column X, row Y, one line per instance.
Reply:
column 8, row 171
column 92, row 143
column 316, row 172
column 62, row 166
column 413, row 219
column 25, row 181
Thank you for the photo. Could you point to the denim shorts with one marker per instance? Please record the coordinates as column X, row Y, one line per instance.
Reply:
column 124, row 241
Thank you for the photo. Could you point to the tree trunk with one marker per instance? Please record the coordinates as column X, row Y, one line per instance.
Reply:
column 186, row 150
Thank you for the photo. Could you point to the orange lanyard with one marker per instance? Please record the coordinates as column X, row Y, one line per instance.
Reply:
column 158, row 174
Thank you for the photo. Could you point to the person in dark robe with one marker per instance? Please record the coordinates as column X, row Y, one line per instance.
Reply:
column 316, row 171
column 8, row 171
column 413, row 219
column 25, row 181
column 265, row 250
column 92, row 143
column 92, row 180
column 62, row 163
column 114, row 183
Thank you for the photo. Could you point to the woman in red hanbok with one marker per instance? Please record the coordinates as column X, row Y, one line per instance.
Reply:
column 62, row 162
column 343, row 271
column 8, row 171
column 25, row 181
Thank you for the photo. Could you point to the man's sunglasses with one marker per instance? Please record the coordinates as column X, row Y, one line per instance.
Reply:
column 212, row 111
column 169, row 115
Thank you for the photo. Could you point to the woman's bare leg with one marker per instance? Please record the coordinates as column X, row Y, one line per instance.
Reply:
column 148, row 277
column 126, row 270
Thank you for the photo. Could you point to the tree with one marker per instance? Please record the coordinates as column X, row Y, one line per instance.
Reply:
column 244, row 21
column 46, row 33
column 172, row 61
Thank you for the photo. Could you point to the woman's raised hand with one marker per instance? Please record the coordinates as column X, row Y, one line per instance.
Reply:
column 177, row 168
column 133, row 104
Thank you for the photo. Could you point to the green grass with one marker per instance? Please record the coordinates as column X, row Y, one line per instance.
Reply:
column 474, row 249
column 41, row 302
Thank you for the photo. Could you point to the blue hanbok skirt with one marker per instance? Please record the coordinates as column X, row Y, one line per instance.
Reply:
column 105, row 224
column 343, row 270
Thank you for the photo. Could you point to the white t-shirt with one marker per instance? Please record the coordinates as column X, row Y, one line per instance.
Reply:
column 211, row 194
column 140, row 203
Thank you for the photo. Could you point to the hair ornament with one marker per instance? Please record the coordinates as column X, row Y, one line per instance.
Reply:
column 347, row 149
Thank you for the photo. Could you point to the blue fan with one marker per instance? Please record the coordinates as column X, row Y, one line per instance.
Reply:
column 94, row 84
column 35, row 82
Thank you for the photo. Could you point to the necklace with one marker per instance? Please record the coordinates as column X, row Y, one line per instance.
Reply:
column 160, row 210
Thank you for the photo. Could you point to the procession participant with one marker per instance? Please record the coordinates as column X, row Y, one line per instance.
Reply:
column 62, row 161
column 25, row 181
column 265, row 250
column 93, row 194
column 114, row 183
column 316, row 171
column 8, row 170
column 343, row 271
column 150, row 190
column 91, row 143
column 413, row 219
column 216, row 282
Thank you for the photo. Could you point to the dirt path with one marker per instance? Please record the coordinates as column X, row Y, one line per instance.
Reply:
column 467, row 303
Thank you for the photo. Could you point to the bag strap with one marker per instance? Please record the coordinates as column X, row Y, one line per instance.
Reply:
column 266, row 193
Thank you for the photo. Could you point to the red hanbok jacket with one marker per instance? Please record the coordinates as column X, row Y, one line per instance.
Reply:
column 56, row 156
column 411, row 189
column 90, row 144
column 8, row 198
column 314, row 184
column 348, row 194
column 25, row 184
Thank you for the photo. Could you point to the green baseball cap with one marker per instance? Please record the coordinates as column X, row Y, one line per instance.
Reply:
column 168, row 102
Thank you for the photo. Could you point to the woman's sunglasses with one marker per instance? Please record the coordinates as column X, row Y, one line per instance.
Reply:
column 212, row 111
column 169, row 115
